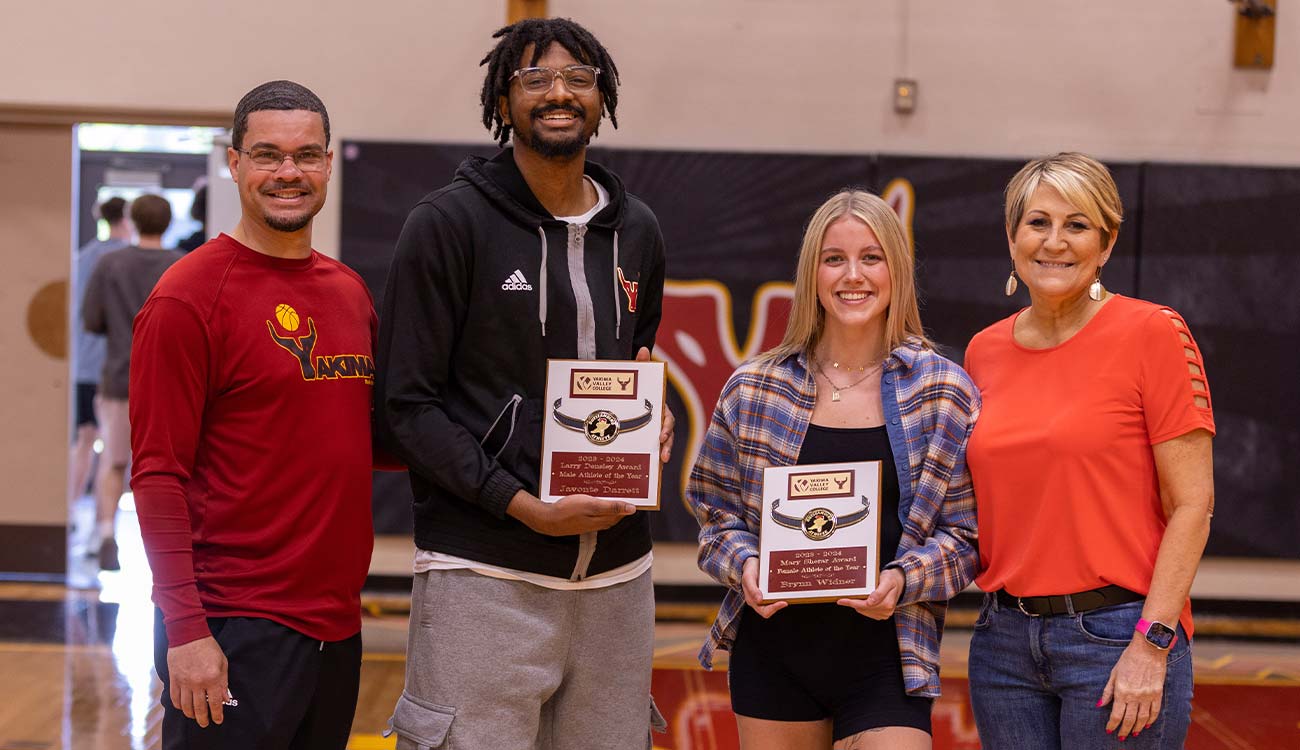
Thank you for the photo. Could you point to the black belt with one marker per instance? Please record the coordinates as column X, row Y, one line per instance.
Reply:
column 1084, row 601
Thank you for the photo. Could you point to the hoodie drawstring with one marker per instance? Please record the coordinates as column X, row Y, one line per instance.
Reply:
column 541, row 284
column 513, row 407
column 618, row 307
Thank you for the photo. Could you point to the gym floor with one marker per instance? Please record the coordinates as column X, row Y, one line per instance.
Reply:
column 78, row 670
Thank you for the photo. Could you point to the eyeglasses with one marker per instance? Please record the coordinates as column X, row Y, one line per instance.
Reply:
column 269, row 159
column 577, row 78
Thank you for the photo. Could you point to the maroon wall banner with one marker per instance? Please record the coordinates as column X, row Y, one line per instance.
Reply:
column 1211, row 241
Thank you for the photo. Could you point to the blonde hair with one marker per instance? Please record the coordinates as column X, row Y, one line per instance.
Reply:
column 1082, row 181
column 808, row 319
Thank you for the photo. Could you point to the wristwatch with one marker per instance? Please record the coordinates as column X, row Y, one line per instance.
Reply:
column 1157, row 634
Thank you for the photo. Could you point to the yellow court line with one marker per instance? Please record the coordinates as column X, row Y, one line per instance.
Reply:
column 1221, row 731
column 372, row 742
column 1245, row 681
column 673, row 649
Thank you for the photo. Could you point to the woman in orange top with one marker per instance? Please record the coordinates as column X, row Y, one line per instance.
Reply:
column 1093, row 476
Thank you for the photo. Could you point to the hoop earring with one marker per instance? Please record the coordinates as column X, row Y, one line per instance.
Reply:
column 1012, row 283
column 1095, row 290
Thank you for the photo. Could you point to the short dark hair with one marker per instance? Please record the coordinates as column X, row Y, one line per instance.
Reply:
column 151, row 214
column 278, row 95
column 199, row 207
column 541, row 33
column 112, row 210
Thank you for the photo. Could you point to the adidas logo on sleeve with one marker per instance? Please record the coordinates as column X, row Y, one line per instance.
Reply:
column 516, row 282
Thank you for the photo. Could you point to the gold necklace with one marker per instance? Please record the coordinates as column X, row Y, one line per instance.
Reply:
column 835, row 389
column 863, row 368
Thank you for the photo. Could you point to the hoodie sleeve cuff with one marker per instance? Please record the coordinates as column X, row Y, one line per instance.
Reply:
column 498, row 491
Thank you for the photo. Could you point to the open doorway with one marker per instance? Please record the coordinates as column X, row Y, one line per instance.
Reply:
column 115, row 164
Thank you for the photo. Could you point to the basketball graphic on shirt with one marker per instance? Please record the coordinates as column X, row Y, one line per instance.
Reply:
column 287, row 316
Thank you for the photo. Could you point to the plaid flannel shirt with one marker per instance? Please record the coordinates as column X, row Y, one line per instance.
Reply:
column 930, row 406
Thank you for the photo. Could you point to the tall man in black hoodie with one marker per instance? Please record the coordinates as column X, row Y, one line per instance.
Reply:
column 531, row 623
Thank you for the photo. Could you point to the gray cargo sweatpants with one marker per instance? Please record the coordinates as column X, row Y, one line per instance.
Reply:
column 497, row 664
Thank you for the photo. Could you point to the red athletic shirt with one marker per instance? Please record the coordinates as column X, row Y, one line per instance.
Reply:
column 250, row 427
column 1065, row 480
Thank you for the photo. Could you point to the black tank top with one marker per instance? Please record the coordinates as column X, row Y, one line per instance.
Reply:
column 827, row 445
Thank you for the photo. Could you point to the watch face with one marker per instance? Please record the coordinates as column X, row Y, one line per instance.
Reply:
column 1160, row 635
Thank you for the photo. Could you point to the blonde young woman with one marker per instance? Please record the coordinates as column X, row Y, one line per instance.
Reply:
column 854, row 379
column 1092, row 462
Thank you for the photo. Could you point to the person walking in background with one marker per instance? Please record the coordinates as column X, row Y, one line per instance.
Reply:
column 1093, row 467
column 117, row 289
column 88, row 350
column 198, row 212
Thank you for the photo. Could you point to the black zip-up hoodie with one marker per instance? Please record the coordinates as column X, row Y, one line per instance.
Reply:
column 485, row 286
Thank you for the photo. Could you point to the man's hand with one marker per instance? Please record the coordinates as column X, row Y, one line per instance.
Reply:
column 197, row 676
column 753, row 596
column 573, row 514
column 669, row 421
column 880, row 604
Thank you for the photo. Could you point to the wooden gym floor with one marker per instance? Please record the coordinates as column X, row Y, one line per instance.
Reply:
column 77, row 662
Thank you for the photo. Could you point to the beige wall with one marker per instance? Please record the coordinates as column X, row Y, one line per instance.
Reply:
column 35, row 232
column 396, row 69
column 1124, row 80
column 1011, row 77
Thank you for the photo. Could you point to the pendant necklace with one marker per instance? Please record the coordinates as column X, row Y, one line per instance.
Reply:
column 835, row 389
column 846, row 368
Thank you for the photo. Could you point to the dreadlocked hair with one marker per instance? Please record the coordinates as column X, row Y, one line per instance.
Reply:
column 541, row 33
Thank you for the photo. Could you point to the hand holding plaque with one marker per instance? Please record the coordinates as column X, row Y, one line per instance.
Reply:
column 594, row 441
column 820, row 534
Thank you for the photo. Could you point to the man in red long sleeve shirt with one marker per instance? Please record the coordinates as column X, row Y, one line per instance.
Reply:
column 252, row 361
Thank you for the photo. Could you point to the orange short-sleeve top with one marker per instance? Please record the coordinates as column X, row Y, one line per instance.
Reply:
column 1065, row 479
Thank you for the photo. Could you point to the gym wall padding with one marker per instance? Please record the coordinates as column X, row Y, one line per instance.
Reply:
column 1214, row 242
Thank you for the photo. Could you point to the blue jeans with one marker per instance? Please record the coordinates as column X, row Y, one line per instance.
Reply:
column 1035, row 681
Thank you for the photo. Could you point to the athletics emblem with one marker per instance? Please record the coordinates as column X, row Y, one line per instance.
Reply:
column 819, row 523
column 629, row 288
column 303, row 349
column 601, row 426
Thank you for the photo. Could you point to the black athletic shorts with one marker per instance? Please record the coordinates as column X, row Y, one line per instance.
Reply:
column 86, row 404
column 817, row 661
column 294, row 693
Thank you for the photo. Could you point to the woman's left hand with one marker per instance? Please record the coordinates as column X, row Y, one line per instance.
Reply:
column 880, row 605
column 1137, row 684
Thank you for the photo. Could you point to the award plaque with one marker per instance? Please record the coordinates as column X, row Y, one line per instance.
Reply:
column 601, row 435
column 820, row 534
